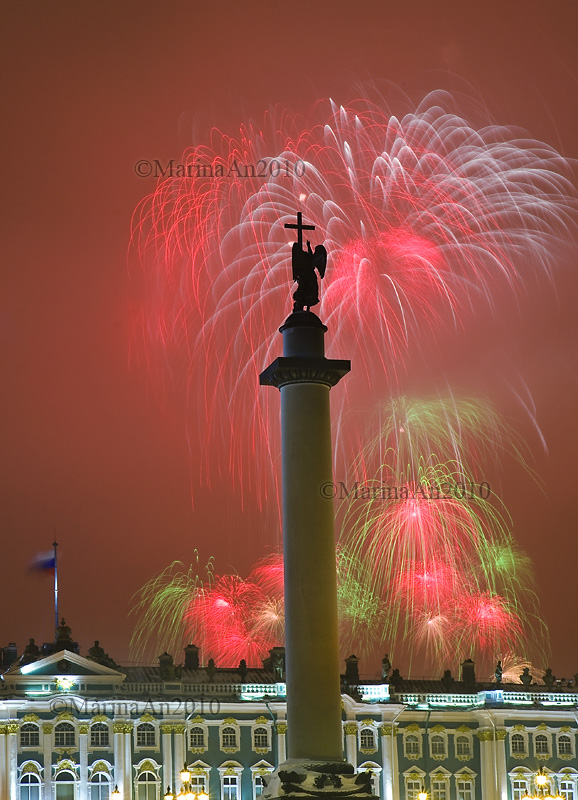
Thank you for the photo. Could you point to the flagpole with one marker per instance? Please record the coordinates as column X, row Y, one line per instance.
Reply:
column 55, row 545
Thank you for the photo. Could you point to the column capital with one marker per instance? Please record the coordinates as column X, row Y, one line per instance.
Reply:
column 388, row 730
column 281, row 728
column 350, row 728
column 299, row 369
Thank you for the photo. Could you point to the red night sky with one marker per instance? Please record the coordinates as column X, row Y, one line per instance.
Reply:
column 88, row 453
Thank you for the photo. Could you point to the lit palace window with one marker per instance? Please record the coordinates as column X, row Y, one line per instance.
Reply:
column 229, row 737
column 29, row 787
column 260, row 738
column 367, row 739
column 64, row 735
column 145, row 735
column 99, row 735
column 29, row 735
column 462, row 745
column 100, row 787
column 197, row 737
column 230, row 787
column 146, row 786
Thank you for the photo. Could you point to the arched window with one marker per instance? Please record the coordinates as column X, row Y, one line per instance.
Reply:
column 29, row 787
column 64, row 784
column 64, row 735
column 411, row 745
column 29, row 735
column 462, row 746
column 145, row 735
column 367, row 739
column 518, row 744
column 564, row 745
column 567, row 789
column 99, row 735
column 260, row 738
column 230, row 787
column 197, row 737
column 146, row 786
column 100, row 786
column 541, row 743
column 438, row 745
column 229, row 737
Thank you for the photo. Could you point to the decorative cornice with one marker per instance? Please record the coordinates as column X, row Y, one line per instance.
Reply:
column 30, row 718
column 30, row 767
column 99, row 718
column 197, row 720
column 412, row 728
column 64, row 715
column 262, row 720
column 229, row 721
column 286, row 370
column 147, row 718
column 438, row 728
column 101, row 766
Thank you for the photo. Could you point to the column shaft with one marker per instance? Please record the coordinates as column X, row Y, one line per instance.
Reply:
column 312, row 656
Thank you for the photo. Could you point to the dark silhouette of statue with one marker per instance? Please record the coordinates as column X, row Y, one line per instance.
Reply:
column 305, row 262
column 498, row 672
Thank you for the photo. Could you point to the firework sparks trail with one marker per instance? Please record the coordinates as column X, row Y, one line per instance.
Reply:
column 425, row 218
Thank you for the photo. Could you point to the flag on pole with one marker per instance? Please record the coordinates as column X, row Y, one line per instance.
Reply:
column 44, row 562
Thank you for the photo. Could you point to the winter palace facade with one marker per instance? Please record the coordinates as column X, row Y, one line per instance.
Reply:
column 82, row 728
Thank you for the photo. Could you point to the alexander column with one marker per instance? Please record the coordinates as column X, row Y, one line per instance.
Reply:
column 315, row 764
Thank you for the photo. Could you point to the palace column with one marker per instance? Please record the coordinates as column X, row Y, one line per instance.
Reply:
column 304, row 377
column 350, row 731
column 83, row 731
column 487, row 765
column 3, row 763
column 127, row 790
column 281, row 728
column 167, row 752
column 389, row 762
column 12, row 729
column 500, row 745
column 179, row 757
column 47, row 728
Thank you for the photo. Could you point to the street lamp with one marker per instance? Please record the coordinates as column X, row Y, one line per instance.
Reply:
column 422, row 794
column 541, row 780
column 168, row 794
column 115, row 795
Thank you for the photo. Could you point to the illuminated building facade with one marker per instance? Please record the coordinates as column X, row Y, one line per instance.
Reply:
column 75, row 727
